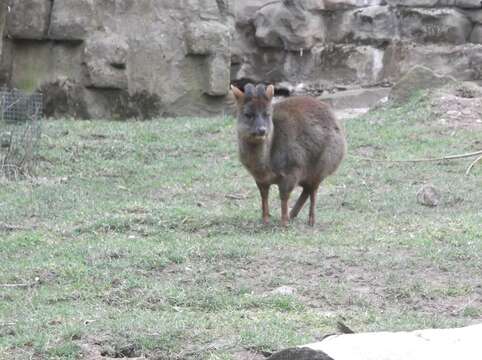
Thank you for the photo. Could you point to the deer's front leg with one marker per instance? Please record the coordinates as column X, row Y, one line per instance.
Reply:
column 264, row 191
column 285, row 189
column 284, row 209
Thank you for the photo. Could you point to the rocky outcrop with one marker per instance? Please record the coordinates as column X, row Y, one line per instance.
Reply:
column 177, row 57
column 72, row 20
column 353, row 43
column 29, row 19
column 105, row 58
column 418, row 78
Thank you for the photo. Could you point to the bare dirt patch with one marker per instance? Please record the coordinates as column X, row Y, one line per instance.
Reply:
column 458, row 106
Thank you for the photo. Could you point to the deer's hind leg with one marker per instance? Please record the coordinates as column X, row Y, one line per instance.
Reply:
column 300, row 203
column 313, row 196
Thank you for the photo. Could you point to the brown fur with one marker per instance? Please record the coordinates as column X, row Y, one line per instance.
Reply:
column 303, row 144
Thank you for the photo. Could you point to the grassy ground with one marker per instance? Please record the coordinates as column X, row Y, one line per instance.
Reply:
column 145, row 238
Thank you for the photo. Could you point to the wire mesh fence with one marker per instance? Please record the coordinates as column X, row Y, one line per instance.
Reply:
column 20, row 128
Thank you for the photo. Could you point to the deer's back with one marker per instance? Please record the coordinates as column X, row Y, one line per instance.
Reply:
column 307, row 136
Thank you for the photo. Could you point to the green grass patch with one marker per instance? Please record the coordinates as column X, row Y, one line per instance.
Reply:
column 145, row 238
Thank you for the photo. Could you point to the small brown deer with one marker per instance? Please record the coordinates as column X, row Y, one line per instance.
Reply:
column 295, row 142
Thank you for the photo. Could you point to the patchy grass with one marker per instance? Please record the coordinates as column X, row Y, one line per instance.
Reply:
column 145, row 238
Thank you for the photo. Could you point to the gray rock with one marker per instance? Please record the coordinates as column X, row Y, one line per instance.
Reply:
column 105, row 59
column 72, row 19
column 181, row 54
column 474, row 15
column 467, row 4
column 374, row 24
column 40, row 61
column 212, row 39
column 287, row 26
column 149, row 55
column 476, row 36
column 29, row 19
column 463, row 62
column 434, row 25
column 246, row 10
column 356, row 98
column 219, row 75
column 350, row 64
column 64, row 97
column 418, row 78
column 207, row 37
column 428, row 195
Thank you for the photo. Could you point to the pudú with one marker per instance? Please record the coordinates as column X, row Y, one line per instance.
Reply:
column 295, row 142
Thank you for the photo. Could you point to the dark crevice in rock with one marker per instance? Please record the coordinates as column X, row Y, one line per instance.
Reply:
column 49, row 21
column 223, row 8
column 120, row 66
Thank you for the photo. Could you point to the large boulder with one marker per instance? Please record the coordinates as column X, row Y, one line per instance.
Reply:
column 356, row 98
column 418, row 78
column 323, row 66
column 105, row 59
column 434, row 25
column 287, row 25
column 218, row 75
column 463, row 62
column 38, row 62
column 174, row 53
column 72, row 19
column 212, row 39
column 476, row 35
column 350, row 64
column 474, row 16
column 29, row 19
column 207, row 37
column 374, row 24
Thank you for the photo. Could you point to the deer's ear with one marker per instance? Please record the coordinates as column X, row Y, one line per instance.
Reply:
column 270, row 92
column 238, row 94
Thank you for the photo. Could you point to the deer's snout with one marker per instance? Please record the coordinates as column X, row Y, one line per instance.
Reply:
column 261, row 131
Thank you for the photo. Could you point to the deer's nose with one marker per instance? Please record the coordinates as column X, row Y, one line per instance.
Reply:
column 261, row 131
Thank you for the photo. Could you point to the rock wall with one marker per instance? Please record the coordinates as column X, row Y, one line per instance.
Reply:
column 347, row 43
column 119, row 58
column 145, row 58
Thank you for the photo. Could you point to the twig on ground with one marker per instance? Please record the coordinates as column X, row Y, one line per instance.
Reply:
column 469, row 169
column 9, row 227
column 14, row 285
column 235, row 197
column 8, row 324
column 448, row 157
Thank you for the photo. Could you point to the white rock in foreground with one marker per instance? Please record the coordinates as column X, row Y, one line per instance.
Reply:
column 447, row 344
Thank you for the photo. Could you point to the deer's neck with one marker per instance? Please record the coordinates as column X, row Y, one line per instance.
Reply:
column 257, row 158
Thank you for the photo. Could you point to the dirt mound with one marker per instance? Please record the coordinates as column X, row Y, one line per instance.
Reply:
column 458, row 106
